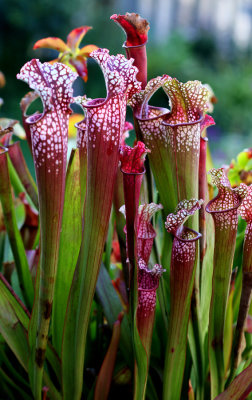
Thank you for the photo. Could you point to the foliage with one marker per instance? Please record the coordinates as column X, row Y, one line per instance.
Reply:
column 86, row 308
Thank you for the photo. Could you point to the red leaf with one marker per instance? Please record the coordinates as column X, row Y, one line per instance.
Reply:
column 132, row 159
column 135, row 27
column 106, row 372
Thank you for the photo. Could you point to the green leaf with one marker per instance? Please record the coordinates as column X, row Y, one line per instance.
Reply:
column 248, row 166
column 22, row 170
column 70, row 239
column 109, row 241
column 112, row 306
column 21, row 393
column 10, row 367
column 20, row 214
column 242, row 159
column 228, row 331
column 16, row 182
column 206, row 276
column 14, row 235
column 151, row 393
column 70, row 331
column 22, row 315
column 12, row 328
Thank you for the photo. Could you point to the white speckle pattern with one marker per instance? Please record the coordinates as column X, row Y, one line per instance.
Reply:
column 245, row 209
column 182, row 138
column 127, row 128
column 163, row 128
column 153, row 131
column 224, row 207
column 148, row 281
column 151, row 118
column 140, row 100
column 184, row 252
column 247, row 248
column 132, row 158
column 107, row 117
column 145, row 213
column 183, row 247
column 188, row 100
column 82, row 135
column 49, row 131
column 183, row 211
column 145, row 231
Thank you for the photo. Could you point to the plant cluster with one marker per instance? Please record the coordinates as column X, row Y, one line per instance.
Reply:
column 120, row 269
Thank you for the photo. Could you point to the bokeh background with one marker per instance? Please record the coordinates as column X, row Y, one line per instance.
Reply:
column 208, row 40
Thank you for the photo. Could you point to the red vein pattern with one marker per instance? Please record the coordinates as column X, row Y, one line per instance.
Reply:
column 224, row 207
column 173, row 136
column 182, row 272
column 136, row 29
column 105, row 119
column 245, row 211
column 50, row 130
column 224, row 210
column 49, row 134
column 145, row 231
column 132, row 159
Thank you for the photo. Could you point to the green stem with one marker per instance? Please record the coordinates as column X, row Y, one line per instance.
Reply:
column 23, row 172
column 196, row 343
column 16, row 182
column 243, row 312
column 223, row 257
column 182, row 276
column 15, row 239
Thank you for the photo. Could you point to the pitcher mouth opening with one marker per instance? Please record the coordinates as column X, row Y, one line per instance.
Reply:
column 32, row 119
column 210, row 211
column 163, row 113
column 133, row 173
column 198, row 121
column 196, row 237
column 125, row 46
column 96, row 102
column 3, row 150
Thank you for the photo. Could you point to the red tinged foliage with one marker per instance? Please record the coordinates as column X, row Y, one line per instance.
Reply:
column 70, row 53
column 224, row 210
column 132, row 159
column 182, row 273
column 49, row 136
column 245, row 211
column 145, row 231
column 135, row 27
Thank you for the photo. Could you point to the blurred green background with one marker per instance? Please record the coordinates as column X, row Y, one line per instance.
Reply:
column 188, row 39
